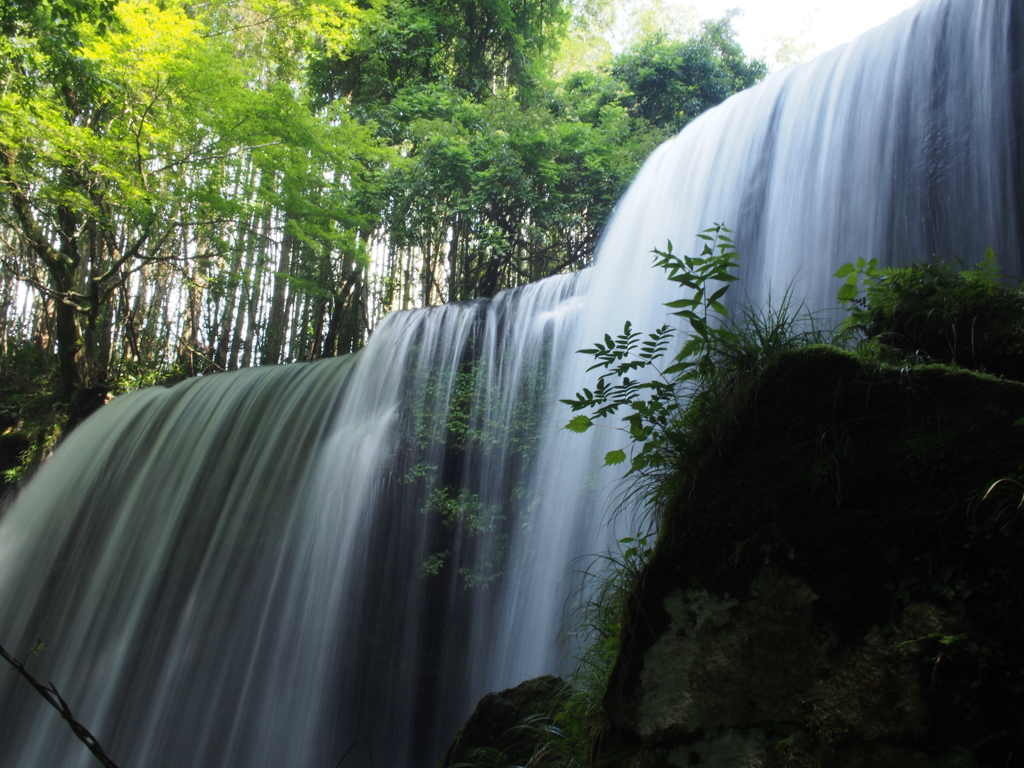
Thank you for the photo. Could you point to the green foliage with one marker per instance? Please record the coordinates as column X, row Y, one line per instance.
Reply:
column 456, row 422
column 669, row 416
column 448, row 417
column 815, row 430
column 32, row 412
column 44, row 36
column 934, row 311
column 242, row 159
column 675, row 419
column 511, row 192
column 504, row 176
column 464, row 509
column 681, row 411
column 608, row 584
column 434, row 563
column 853, row 273
column 472, row 45
column 134, row 374
column 653, row 403
column 148, row 128
column 670, row 82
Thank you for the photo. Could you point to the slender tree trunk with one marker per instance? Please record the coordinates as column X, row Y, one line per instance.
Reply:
column 427, row 275
column 407, row 280
column 453, row 261
column 188, row 347
column 227, row 321
column 352, row 335
column 242, row 315
column 250, row 328
column 273, row 341
column 289, row 345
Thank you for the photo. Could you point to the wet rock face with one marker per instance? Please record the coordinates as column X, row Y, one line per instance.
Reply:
column 760, row 682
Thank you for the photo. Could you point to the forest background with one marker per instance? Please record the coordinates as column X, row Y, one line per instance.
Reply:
column 195, row 187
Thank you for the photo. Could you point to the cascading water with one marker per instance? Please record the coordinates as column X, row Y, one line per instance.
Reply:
column 257, row 569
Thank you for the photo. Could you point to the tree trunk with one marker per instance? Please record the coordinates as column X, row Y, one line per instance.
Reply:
column 453, row 262
column 273, row 342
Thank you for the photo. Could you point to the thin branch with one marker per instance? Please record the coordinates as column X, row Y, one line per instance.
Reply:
column 352, row 746
column 140, row 163
column 224, row 156
column 57, row 701
column 30, row 229
column 232, row 30
column 212, row 363
column 71, row 298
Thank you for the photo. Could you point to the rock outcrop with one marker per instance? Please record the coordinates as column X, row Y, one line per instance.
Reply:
column 831, row 589
column 500, row 725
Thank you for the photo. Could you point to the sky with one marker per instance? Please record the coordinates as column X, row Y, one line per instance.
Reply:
column 786, row 31
column 818, row 25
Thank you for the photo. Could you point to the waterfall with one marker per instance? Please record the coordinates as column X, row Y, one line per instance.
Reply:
column 263, row 568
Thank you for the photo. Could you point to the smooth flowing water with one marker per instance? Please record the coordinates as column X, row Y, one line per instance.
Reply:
column 260, row 569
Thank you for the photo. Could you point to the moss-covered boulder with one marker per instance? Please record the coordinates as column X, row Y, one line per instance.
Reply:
column 499, row 731
column 831, row 589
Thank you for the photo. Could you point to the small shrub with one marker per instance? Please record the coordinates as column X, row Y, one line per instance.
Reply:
column 679, row 410
column 32, row 414
column 936, row 313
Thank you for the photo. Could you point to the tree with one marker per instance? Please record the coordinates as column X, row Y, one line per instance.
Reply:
column 143, row 146
column 195, row 188
column 670, row 82
column 475, row 46
column 495, row 188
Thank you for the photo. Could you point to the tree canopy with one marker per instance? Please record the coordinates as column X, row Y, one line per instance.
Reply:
column 187, row 188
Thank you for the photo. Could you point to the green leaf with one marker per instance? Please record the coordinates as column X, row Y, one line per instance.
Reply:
column 847, row 292
column 680, row 303
column 579, row 424
column 845, row 270
column 719, row 293
column 614, row 457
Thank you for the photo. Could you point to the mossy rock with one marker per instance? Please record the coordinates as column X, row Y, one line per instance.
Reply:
column 499, row 724
column 864, row 483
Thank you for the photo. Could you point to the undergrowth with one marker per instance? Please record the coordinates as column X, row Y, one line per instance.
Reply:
column 677, row 401
column 935, row 312
column 32, row 415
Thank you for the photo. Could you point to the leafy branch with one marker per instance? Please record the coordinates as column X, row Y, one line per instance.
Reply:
column 654, row 401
